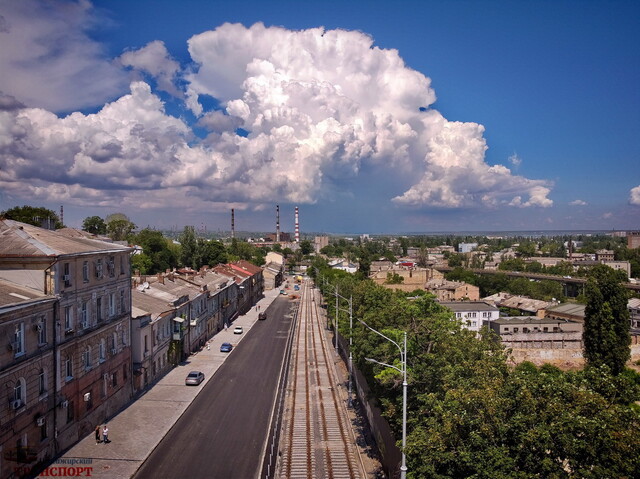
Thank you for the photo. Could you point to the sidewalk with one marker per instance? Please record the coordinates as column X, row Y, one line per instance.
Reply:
column 136, row 431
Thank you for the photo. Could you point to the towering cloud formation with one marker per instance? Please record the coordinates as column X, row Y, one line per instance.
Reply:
column 634, row 196
column 303, row 114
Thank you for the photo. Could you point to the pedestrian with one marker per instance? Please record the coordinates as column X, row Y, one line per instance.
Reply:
column 98, row 440
column 105, row 434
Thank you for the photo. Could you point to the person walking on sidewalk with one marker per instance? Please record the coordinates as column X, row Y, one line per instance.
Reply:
column 105, row 434
column 98, row 439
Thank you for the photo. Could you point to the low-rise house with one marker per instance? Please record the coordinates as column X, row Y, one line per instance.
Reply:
column 452, row 290
column 343, row 265
column 472, row 314
column 521, row 303
column 532, row 332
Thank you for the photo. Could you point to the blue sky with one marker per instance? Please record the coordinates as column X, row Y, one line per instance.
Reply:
column 397, row 117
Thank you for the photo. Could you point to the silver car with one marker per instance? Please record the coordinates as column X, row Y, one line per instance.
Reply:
column 194, row 378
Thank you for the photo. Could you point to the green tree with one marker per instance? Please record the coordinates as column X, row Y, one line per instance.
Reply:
column 212, row 252
column 157, row 255
column 33, row 215
column 119, row 226
column 94, row 225
column 306, row 247
column 606, row 324
column 189, row 248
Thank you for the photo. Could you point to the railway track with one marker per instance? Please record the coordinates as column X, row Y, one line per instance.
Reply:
column 317, row 441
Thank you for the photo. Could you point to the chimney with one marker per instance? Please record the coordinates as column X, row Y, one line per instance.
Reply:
column 160, row 278
column 277, row 223
column 233, row 224
column 297, row 226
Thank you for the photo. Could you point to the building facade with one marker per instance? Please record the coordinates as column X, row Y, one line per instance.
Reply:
column 90, row 362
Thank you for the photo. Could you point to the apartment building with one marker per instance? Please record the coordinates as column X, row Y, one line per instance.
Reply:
column 86, row 283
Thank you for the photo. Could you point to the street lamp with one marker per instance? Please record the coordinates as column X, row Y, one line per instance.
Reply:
column 403, row 371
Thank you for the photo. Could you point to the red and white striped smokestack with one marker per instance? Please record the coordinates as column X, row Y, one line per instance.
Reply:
column 277, row 223
column 297, row 226
column 233, row 223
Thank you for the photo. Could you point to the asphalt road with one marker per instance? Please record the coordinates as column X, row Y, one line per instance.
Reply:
column 223, row 433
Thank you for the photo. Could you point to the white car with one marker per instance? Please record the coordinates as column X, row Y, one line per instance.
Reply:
column 238, row 330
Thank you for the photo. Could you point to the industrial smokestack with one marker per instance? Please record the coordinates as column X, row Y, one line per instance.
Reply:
column 62, row 214
column 277, row 223
column 233, row 224
column 297, row 226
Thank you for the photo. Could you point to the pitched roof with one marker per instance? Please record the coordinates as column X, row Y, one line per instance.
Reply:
column 25, row 240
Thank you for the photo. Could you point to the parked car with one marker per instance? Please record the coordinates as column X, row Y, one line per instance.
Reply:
column 282, row 291
column 262, row 316
column 238, row 330
column 194, row 378
column 226, row 347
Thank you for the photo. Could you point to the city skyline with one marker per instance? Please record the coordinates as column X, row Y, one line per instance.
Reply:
column 371, row 117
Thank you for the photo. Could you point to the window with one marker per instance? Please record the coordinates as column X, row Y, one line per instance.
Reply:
column 70, row 412
column 85, row 272
column 545, row 329
column 42, row 382
column 86, row 358
column 515, row 330
column 68, row 368
column 43, row 430
column 525, row 330
column 20, row 391
column 18, row 340
column 123, row 308
column 112, row 305
column 114, row 379
column 506, row 330
column 99, row 269
column 84, row 314
column 102, row 351
column 68, row 318
column 41, row 327
column 111, row 266
column 121, row 264
column 66, row 276
column 99, row 309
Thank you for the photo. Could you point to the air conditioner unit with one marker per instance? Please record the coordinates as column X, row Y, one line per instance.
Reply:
column 40, row 421
column 37, row 327
column 87, row 397
column 114, row 351
column 16, row 404
column 66, row 277
column 64, row 404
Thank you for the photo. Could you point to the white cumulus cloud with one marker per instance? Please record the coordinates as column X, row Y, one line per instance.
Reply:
column 634, row 196
column 48, row 60
column 318, row 106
